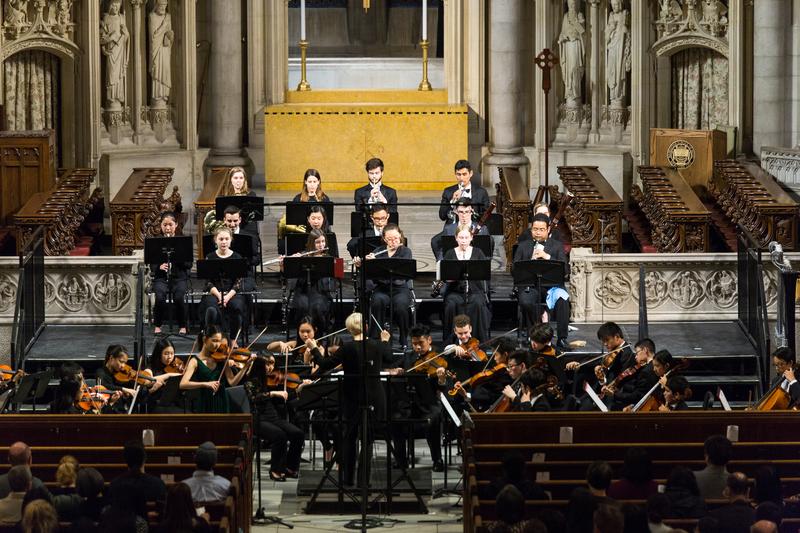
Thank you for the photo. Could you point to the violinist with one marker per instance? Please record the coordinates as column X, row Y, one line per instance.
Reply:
column 640, row 378
column 174, row 283
column 620, row 356
column 409, row 400
column 271, row 420
column 463, row 363
column 455, row 292
column 164, row 365
column 487, row 390
column 391, row 295
column 556, row 299
column 307, row 331
column 463, row 217
column 676, row 392
column 532, row 396
column 67, row 395
column 784, row 363
column 315, row 299
column 222, row 295
column 115, row 363
column 517, row 366
column 210, row 373
column 544, row 357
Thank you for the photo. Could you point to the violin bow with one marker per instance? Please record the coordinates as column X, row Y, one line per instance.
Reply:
column 321, row 338
column 85, row 388
column 227, row 358
column 258, row 337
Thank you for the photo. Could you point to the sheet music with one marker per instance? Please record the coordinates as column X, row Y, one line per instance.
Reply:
column 723, row 400
column 449, row 409
column 595, row 398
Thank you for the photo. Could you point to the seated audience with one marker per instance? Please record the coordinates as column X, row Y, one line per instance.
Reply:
column 598, row 477
column 180, row 514
column 737, row 516
column 637, row 477
column 713, row 478
column 39, row 517
column 135, row 484
column 89, row 485
column 580, row 510
column 514, row 474
column 19, row 480
column 684, row 496
column 66, row 473
column 767, row 486
column 510, row 507
column 764, row 526
column 608, row 518
column 657, row 511
column 707, row 524
column 635, row 519
column 205, row 486
column 770, row 512
column 121, row 515
column 19, row 453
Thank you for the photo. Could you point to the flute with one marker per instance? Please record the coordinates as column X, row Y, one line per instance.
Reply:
column 303, row 254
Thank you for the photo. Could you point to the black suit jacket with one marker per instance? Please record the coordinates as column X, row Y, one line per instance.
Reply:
column 363, row 194
column 633, row 389
column 479, row 199
column 551, row 246
column 541, row 404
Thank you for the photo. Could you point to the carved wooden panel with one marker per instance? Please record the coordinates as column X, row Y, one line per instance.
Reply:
column 513, row 203
column 206, row 202
column 27, row 166
column 595, row 215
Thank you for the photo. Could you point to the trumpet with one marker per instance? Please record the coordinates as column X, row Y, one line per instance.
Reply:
column 303, row 254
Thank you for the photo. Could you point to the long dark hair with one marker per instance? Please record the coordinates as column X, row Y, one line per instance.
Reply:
column 319, row 209
column 306, row 319
column 313, row 235
column 179, row 510
column 115, row 350
column 65, row 395
column 210, row 331
column 156, row 365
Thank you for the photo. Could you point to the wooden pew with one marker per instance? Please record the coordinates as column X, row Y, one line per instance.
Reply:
column 206, row 202
column 752, row 198
column 678, row 218
column 27, row 167
column 514, row 204
column 113, row 454
column 595, row 216
column 136, row 208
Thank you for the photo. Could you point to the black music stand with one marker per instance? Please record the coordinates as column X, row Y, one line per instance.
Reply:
column 296, row 242
column 159, row 250
column 242, row 244
column 538, row 273
column 483, row 242
column 229, row 269
column 466, row 271
column 297, row 212
column 391, row 269
column 252, row 207
column 30, row 388
column 304, row 267
column 355, row 222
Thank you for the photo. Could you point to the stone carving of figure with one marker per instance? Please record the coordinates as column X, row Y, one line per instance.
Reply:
column 570, row 43
column 670, row 10
column 618, row 52
column 161, row 39
column 115, row 44
column 59, row 17
column 16, row 13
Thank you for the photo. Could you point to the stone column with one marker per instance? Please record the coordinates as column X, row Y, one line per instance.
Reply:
column 226, row 86
column 506, row 114
column 770, row 59
column 596, row 74
column 137, row 51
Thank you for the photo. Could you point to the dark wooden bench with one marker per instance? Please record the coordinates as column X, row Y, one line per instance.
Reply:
column 594, row 217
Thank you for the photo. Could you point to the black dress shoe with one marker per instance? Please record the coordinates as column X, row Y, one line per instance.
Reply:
column 562, row 345
column 438, row 466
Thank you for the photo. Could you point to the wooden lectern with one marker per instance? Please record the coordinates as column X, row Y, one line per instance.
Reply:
column 690, row 152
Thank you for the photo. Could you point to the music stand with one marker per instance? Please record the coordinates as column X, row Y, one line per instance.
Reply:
column 159, row 250
column 483, row 242
column 297, row 212
column 214, row 269
column 242, row 244
column 466, row 271
column 296, row 242
column 538, row 273
column 170, row 392
column 252, row 207
column 355, row 222
column 391, row 269
column 303, row 267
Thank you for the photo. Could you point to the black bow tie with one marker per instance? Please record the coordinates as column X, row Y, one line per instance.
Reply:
column 466, row 191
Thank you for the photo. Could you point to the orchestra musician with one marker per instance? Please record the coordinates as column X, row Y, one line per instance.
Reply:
column 116, row 359
column 233, row 221
column 516, row 365
column 532, row 395
column 164, row 365
column 676, row 392
column 468, row 297
column 488, row 390
column 462, row 334
column 544, row 357
column 222, row 294
column 375, row 192
column 66, row 397
column 316, row 299
column 410, row 401
column 208, row 375
column 542, row 246
column 784, row 362
column 396, row 297
column 318, row 220
column 168, row 280
column 555, row 232
column 463, row 217
column 311, row 192
column 272, row 420
column 378, row 354
column 462, row 190
column 631, row 390
column 236, row 185
column 380, row 218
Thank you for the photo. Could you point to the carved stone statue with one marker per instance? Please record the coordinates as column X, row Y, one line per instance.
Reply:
column 60, row 17
column 161, row 39
column 16, row 16
column 669, row 10
column 618, row 53
column 115, row 45
column 571, row 48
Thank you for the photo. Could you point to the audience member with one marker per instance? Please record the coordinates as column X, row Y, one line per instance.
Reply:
column 637, row 477
column 134, row 483
column 635, row 517
column 66, row 474
column 510, row 509
column 19, row 480
column 737, row 516
column 657, row 510
column 19, row 453
column 598, row 477
column 514, row 474
column 39, row 517
column 712, row 479
column 122, row 516
column 764, row 526
column 180, row 514
column 204, row 484
column 707, row 524
column 608, row 518
column 580, row 510
column 684, row 496
column 89, row 485
column 767, row 486
column 769, row 511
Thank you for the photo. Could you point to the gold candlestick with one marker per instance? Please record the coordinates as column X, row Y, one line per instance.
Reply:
column 424, row 85
column 303, row 85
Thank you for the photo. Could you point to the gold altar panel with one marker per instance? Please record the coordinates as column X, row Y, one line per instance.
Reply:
column 418, row 143
column 698, row 149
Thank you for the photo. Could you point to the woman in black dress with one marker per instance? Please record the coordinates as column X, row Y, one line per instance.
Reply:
column 390, row 295
column 476, row 307
column 170, row 279
column 316, row 299
column 223, row 297
column 164, row 365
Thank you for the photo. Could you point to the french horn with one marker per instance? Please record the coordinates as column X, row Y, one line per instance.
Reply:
column 210, row 222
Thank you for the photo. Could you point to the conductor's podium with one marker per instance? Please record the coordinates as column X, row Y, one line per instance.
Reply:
column 417, row 134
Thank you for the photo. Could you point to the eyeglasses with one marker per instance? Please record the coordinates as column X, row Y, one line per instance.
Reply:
column 514, row 365
column 380, row 219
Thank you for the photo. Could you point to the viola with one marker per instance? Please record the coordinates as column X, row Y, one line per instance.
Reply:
column 276, row 378
column 93, row 399
column 127, row 374
column 479, row 379
column 430, row 363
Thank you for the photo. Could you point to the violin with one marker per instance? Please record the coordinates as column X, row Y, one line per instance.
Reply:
column 276, row 378
column 474, row 352
column 7, row 374
column 223, row 353
column 649, row 401
column 430, row 363
column 625, row 374
column 177, row 366
column 478, row 379
column 127, row 374
column 93, row 399
column 551, row 384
